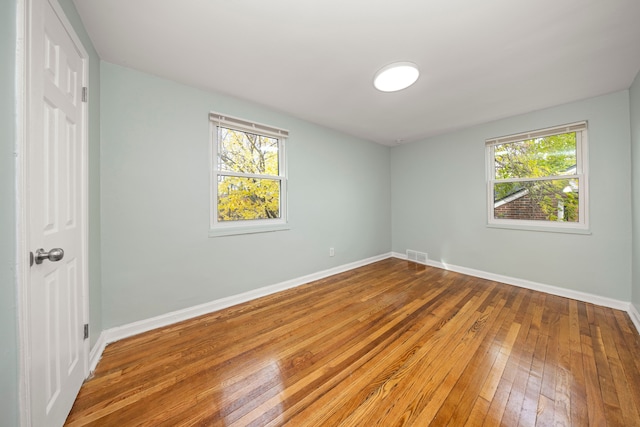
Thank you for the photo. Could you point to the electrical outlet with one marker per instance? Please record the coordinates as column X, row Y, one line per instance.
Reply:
column 331, row 252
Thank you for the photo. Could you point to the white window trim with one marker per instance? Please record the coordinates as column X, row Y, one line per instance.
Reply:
column 229, row 228
column 582, row 165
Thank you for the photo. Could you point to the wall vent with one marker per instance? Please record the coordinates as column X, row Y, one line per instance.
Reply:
column 422, row 258
column 415, row 256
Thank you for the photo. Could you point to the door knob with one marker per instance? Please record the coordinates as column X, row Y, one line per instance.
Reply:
column 53, row 255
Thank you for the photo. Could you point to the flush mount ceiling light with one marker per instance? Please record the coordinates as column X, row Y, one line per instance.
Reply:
column 396, row 76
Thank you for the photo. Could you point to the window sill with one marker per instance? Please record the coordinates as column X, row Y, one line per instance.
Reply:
column 542, row 228
column 234, row 231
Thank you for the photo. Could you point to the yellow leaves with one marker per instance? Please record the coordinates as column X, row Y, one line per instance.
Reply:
column 247, row 197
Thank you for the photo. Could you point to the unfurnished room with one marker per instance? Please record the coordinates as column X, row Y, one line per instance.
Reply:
column 305, row 213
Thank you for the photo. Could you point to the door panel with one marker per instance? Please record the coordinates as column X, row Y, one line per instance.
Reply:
column 57, row 206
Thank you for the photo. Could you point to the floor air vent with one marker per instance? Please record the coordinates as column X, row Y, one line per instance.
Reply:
column 415, row 256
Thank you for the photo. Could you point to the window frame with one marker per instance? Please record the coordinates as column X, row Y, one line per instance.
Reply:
column 226, row 228
column 581, row 173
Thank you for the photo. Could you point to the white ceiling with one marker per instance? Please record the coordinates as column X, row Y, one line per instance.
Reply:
column 316, row 59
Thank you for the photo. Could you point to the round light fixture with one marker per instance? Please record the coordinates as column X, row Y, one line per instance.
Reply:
column 396, row 76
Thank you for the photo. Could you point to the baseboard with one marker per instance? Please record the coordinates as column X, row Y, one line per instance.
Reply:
column 96, row 352
column 117, row 333
column 135, row 328
column 635, row 316
column 527, row 284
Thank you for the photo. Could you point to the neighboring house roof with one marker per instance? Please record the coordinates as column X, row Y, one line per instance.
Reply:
column 521, row 192
column 571, row 170
column 514, row 195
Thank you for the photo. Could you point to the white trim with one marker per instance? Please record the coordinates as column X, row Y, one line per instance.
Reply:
column 22, row 230
column 525, row 136
column 227, row 228
column 111, row 335
column 580, row 173
column 249, row 229
column 541, row 178
column 227, row 121
column 545, row 229
column 117, row 333
column 527, row 284
column 96, row 352
column 635, row 316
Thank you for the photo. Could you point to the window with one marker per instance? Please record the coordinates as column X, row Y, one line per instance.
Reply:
column 539, row 179
column 248, row 179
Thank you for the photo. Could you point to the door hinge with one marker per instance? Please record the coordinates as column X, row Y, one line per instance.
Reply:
column 86, row 331
column 85, row 94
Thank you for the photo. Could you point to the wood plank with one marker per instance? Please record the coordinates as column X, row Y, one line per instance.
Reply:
column 391, row 343
column 612, row 340
column 424, row 410
column 525, row 346
column 545, row 411
column 348, row 404
column 478, row 374
column 595, row 403
column 436, row 325
column 577, row 318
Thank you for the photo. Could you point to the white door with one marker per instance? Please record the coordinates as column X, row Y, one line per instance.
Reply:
column 57, row 204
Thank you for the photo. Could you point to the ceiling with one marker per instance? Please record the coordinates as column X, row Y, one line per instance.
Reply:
column 316, row 59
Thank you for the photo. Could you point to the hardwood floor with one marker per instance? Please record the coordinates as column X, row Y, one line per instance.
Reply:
column 392, row 343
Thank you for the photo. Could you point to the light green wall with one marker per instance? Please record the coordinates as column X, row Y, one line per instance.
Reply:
column 8, row 308
column 156, row 256
column 439, row 203
column 634, row 95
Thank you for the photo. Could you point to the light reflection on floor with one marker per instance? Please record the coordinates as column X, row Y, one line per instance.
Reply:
column 270, row 374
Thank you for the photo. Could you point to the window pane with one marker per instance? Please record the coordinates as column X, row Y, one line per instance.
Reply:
column 552, row 200
column 248, row 198
column 247, row 152
column 534, row 158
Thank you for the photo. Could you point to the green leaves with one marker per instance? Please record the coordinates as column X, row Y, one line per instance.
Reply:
column 534, row 158
column 548, row 195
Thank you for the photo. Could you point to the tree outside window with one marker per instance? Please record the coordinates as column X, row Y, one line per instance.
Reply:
column 253, row 192
column 538, row 177
column 248, row 175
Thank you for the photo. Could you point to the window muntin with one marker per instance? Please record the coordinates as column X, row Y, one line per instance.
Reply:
column 248, row 180
column 539, row 178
